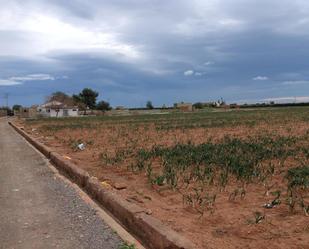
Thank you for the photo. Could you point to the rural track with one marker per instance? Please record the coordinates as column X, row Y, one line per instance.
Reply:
column 39, row 209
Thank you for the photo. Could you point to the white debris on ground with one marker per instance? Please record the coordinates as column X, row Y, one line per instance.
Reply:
column 81, row 146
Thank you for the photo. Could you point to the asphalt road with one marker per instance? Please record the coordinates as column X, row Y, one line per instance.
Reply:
column 40, row 210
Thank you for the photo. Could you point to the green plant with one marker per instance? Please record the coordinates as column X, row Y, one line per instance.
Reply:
column 200, row 200
column 258, row 218
column 74, row 143
column 298, row 177
column 276, row 201
column 298, row 183
column 125, row 245
column 159, row 180
column 305, row 207
column 237, row 192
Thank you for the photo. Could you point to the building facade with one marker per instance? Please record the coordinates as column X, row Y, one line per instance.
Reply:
column 55, row 109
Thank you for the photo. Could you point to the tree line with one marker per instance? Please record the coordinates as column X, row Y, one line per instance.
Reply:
column 86, row 99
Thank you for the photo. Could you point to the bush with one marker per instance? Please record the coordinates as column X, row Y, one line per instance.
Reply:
column 103, row 106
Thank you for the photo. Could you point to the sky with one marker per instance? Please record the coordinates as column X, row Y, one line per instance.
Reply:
column 132, row 51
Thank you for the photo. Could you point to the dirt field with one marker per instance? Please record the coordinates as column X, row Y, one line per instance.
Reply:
column 207, row 175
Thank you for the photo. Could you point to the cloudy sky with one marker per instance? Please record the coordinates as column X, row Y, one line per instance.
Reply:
column 132, row 51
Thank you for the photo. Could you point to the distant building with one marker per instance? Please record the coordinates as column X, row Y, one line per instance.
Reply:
column 217, row 104
column 57, row 109
column 185, row 107
column 120, row 108
column 25, row 112
column 3, row 113
column 234, row 106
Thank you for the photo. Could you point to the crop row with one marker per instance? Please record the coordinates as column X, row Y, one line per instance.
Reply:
column 195, row 169
column 181, row 120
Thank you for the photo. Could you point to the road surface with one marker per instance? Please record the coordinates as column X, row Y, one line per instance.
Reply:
column 40, row 210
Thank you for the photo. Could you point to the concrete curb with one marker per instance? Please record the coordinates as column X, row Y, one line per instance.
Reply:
column 149, row 230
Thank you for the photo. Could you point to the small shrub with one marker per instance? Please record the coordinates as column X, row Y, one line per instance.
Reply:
column 127, row 246
column 298, row 183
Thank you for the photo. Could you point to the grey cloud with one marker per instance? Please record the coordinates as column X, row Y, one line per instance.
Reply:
column 260, row 78
column 230, row 41
column 18, row 80
column 295, row 82
column 32, row 77
column 188, row 73
column 9, row 82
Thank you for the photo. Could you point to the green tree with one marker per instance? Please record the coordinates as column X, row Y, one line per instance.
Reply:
column 7, row 109
column 16, row 107
column 61, row 97
column 88, row 97
column 103, row 106
column 198, row 105
column 149, row 105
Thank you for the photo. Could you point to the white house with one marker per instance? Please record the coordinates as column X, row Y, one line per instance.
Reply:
column 57, row 109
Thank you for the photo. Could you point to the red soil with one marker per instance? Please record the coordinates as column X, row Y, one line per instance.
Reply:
column 228, row 226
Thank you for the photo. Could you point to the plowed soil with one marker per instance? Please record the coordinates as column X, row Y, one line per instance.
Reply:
column 230, row 225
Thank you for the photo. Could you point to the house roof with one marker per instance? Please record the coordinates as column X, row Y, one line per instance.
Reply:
column 52, row 103
column 56, row 105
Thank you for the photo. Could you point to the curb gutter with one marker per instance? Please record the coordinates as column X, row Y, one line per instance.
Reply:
column 149, row 230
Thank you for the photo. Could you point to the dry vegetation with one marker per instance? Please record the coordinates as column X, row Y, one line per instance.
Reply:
column 223, row 179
